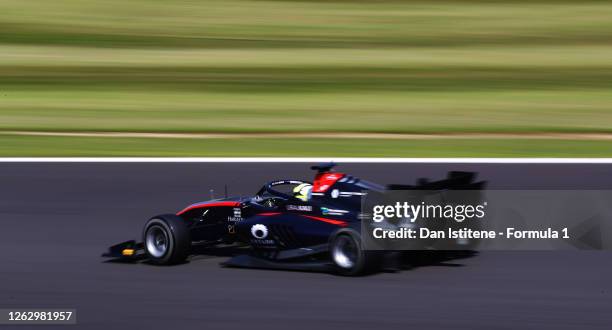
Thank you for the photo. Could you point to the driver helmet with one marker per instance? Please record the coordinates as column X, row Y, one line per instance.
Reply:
column 302, row 191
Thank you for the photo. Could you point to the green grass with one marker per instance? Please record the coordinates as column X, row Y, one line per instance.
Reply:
column 308, row 66
column 30, row 146
column 299, row 24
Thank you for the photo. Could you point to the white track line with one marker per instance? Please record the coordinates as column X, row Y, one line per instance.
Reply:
column 323, row 135
column 304, row 160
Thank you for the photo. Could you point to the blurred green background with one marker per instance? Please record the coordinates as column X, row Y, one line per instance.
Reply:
column 332, row 78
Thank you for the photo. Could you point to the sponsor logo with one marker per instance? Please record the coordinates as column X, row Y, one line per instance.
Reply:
column 259, row 231
column 350, row 194
column 306, row 208
column 237, row 215
column 328, row 211
column 262, row 242
column 276, row 183
column 332, row 177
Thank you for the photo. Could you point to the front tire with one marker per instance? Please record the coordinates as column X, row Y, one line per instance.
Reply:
column 166, row 240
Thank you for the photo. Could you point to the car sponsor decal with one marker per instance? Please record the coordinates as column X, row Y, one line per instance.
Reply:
column 237, row 217
column 328, row 211
column 306, row 208
column 259, row 231
column 350, row 193
column 281, row 182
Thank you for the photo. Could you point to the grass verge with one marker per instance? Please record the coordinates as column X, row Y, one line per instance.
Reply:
column 36, row 146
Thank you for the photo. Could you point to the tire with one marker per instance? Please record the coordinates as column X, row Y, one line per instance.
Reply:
column 348, row 257
column 166, row 240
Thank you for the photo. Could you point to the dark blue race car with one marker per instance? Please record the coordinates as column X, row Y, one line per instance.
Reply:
column 287, row 224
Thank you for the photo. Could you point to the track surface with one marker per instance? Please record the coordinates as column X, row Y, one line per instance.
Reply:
column 57, row 219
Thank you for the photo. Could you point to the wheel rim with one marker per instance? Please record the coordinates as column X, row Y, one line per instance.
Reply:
column 345, row 252
column 157, row 241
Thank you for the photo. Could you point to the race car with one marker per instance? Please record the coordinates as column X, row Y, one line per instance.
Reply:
column 287, row 224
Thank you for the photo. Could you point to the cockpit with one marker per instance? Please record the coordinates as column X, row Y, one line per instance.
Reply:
column 277, row 193
column 328, row 189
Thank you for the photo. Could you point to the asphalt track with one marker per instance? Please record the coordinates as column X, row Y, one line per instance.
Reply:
column 57, row 219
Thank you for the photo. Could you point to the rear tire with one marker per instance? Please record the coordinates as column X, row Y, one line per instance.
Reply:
column 166, row 240
column 348, row 257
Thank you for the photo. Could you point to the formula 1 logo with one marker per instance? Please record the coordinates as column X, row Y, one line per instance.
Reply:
column 259, row 231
